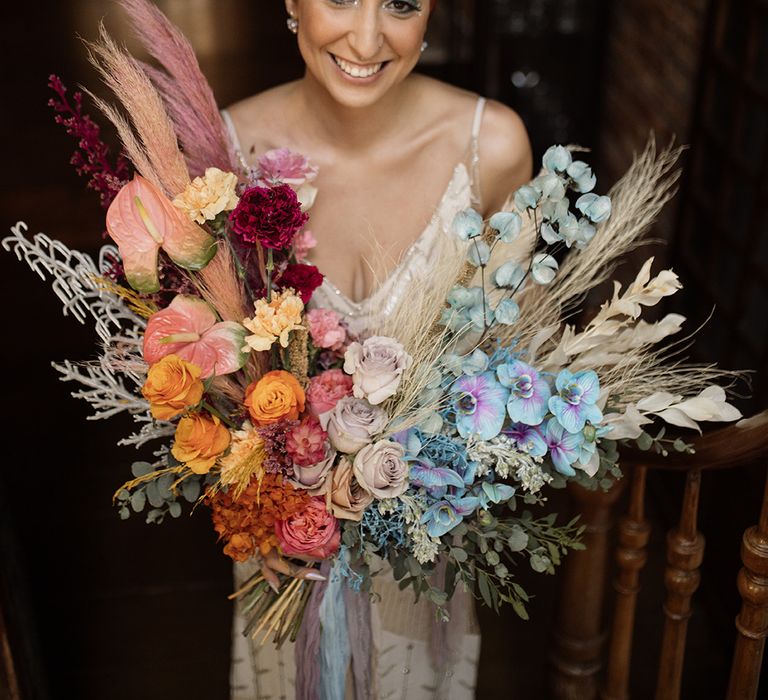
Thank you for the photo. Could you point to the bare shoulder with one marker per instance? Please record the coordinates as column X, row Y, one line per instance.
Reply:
column 255, row 119
column 506, row 160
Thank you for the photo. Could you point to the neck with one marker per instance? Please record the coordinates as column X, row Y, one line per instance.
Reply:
column 353, row 128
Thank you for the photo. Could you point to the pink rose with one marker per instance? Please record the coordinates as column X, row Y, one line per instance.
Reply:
column 283, row 165
column 326, row 329
column 302, row 244
column 326, row 389
column 376, row 366
column 313, row 532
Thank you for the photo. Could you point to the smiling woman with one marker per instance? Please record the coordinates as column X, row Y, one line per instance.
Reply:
column 398, row 155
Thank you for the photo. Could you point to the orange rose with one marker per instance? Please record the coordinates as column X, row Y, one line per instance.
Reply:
column 276, row 396
column 172, row 386
column 200, row 439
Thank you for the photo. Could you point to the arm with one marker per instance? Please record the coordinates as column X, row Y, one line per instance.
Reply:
column 506, row 161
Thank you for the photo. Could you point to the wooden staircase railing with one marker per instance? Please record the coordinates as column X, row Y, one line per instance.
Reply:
column 581, row 668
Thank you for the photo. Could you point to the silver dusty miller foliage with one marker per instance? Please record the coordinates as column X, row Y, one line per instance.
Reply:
column 108, row 384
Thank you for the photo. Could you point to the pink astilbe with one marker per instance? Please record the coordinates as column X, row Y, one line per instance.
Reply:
column 92, row 159
column 184, row 89
column 154, row 147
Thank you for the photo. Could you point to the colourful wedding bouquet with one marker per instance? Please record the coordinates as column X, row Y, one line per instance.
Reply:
column 418, row 445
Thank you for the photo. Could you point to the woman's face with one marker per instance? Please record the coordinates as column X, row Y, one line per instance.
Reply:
column 359, row 49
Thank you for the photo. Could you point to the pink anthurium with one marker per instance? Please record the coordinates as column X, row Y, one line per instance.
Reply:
column 188, row 328
column 141, row 220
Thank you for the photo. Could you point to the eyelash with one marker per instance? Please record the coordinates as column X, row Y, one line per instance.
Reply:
column 402, row 8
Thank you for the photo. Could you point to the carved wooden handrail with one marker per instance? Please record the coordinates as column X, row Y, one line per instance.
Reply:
column 634, row 531
column 577, row 649
column 752, row 622
column 685, row 552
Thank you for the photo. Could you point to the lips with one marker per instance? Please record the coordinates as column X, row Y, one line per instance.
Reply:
column 357, row 70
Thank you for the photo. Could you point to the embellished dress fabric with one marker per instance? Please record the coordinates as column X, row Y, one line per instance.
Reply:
column 416, row 657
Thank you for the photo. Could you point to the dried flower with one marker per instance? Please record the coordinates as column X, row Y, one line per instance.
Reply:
column 247, row 523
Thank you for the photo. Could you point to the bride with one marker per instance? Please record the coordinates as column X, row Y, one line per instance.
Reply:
column 399, row 154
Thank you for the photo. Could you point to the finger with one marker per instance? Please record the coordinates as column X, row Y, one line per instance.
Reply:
column 270, row 576
column 284, row 566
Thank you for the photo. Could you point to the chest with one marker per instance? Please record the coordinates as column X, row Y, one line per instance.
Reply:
column 365, row 219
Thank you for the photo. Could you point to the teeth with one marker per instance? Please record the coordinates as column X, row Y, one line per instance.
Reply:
column 357, row 71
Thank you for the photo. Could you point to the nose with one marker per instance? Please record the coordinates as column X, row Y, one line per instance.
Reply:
column 366, row 37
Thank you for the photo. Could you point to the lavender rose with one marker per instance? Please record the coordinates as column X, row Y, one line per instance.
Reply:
column 376, row 367
column 346, row 498
column 352, row 423
column 380, row 469
column 314, row 477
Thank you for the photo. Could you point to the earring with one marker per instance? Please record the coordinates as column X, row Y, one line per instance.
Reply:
column 424, row 45
column 293, row 25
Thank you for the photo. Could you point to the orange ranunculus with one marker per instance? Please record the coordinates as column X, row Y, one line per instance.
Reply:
column 172, row 386
column 276, row 396
column 200, row 439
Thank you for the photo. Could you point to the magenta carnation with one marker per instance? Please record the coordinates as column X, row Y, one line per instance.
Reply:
column 303, row 279
column 270, row 216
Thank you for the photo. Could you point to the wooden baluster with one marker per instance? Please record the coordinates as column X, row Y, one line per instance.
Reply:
column 578, row 636
column 685, row 551
column 631, row 556
column 752, row 622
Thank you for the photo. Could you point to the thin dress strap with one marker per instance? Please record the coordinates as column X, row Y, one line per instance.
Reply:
column 233, row 137
column 474, row 165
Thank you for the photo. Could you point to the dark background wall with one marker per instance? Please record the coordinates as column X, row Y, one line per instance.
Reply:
column 99, row 608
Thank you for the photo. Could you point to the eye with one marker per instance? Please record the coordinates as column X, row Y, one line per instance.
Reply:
column 403, row 8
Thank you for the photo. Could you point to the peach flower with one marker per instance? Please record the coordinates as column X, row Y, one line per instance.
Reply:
column 277, row 396
column 200, row 439
column 172, row 386
column 346, row 497
column 273, row 321
column 208, row 196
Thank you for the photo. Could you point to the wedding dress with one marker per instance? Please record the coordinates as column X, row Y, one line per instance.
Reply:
column 408, row 663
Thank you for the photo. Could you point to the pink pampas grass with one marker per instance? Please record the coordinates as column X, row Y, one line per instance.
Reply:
column 184, row 89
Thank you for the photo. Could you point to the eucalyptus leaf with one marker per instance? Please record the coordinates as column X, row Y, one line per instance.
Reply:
column 190, row 490
column 124, row 513
column 153, row 496
column 139, row 469
column 459, row 554
column 138, row 501
column 518, row 539
column 484, row 588
column 175, row 509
